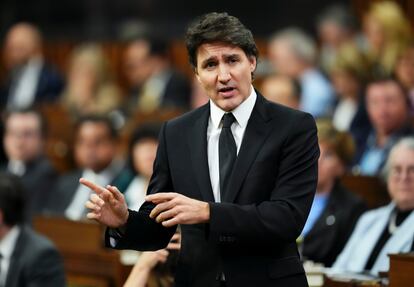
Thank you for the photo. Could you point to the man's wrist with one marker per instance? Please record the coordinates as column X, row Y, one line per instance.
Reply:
column 207, row 212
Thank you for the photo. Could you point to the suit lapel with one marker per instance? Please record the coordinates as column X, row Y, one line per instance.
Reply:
column 257, row 130
column 198, row 151
column 15, row 260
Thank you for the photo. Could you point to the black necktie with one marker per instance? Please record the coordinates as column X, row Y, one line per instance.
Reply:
column 227, row 152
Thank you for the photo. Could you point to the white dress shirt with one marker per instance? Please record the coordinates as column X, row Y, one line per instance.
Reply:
column 24, row 89
column 136, row 192
column 242, row 114
column 76, row 209
column 7, row 245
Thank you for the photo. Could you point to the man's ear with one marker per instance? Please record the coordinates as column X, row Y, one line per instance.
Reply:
column 1, row 218
column 253, row 63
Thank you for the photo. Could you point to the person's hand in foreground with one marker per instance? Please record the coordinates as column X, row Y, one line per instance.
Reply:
column 106, row 205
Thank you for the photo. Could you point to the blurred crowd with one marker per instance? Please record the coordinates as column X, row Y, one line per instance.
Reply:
column 356, row 80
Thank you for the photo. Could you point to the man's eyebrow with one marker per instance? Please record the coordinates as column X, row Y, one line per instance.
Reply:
column 212, row 58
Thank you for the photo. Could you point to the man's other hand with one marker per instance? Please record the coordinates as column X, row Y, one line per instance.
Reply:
column 174, row 208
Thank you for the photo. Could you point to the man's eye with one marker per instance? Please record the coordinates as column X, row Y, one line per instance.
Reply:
column 210, row 64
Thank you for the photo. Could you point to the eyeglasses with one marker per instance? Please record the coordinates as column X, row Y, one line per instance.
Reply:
column 399, row 171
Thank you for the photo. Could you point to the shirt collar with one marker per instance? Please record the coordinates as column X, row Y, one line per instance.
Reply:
column 241, row 113
column 8, row 243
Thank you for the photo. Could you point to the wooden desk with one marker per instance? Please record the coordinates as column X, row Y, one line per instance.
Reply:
column 401, row 272
column 87, row 262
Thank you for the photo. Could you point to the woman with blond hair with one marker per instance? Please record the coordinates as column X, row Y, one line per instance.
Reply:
column 387, row 30
column 89, row 87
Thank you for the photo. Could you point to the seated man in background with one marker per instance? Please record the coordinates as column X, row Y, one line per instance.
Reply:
column 30, row 80
column 335, row 210
column 152, row 79
column 282, row 90
column 293, row 54
column 388, row 110
column 95, row 156
column 26, row 258
column 24, row 145
column 389, row 229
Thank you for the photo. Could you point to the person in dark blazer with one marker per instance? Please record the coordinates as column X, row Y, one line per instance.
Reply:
column 94, row 151
column 388, row 109
column 335, row 209
column 153, row 81
column 24, row 143
column 239, row 214
column 27, row 258
column 30, row 80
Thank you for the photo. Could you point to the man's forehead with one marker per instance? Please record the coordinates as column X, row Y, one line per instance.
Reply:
column 215, row 49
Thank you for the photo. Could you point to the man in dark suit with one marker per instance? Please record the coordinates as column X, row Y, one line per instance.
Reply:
column 26, row 258
column 238, row 175
column 152, row 80
column 94, row 151
column 30, row 80
column 24, row 143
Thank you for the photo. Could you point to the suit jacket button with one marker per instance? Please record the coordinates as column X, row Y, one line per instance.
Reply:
column 330, row 220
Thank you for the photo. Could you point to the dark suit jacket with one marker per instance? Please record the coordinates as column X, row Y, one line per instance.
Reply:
column 38, row 182
column 331, row 231
column 62, row 196
column 35, row 262
column 50, row 85
column 177, row 92
column 251, row 234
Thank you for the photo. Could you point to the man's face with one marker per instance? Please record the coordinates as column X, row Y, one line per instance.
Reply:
column 136, row 63
column 20, row 45
column 23, row 139
column 94, row 148
column 283, row 59
column 225, row 73
column 401, row 177
column 387, row 106
column 143, row 154
column 330, row 166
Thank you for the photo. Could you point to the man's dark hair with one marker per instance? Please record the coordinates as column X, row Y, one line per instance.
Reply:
column 98, row 119
column 382, row 79
column 219, row 27
column 11, row 199
column 29, row 110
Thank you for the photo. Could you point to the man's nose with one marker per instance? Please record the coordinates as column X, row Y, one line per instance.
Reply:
column 224, row 74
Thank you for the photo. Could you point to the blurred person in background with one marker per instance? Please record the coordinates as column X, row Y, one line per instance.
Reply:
column 29, row 80
column 134, row 179
column 153, row 82
column 388, row 110
column 27, row 259
column 90, row 89
column 388, row 229
column 404, row 72
column 156, row 268
column 349, row 72
column 335, row 210
column 336, row 26
column 24, row 143
column 293, row 54
column 95, row 156
column 282, row 90
column 387, row 30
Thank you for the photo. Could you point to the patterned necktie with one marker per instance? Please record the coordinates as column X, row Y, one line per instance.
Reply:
column 227, row 152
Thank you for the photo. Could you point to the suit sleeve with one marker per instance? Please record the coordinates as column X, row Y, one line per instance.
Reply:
column 142, row 232
column 281, row 217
